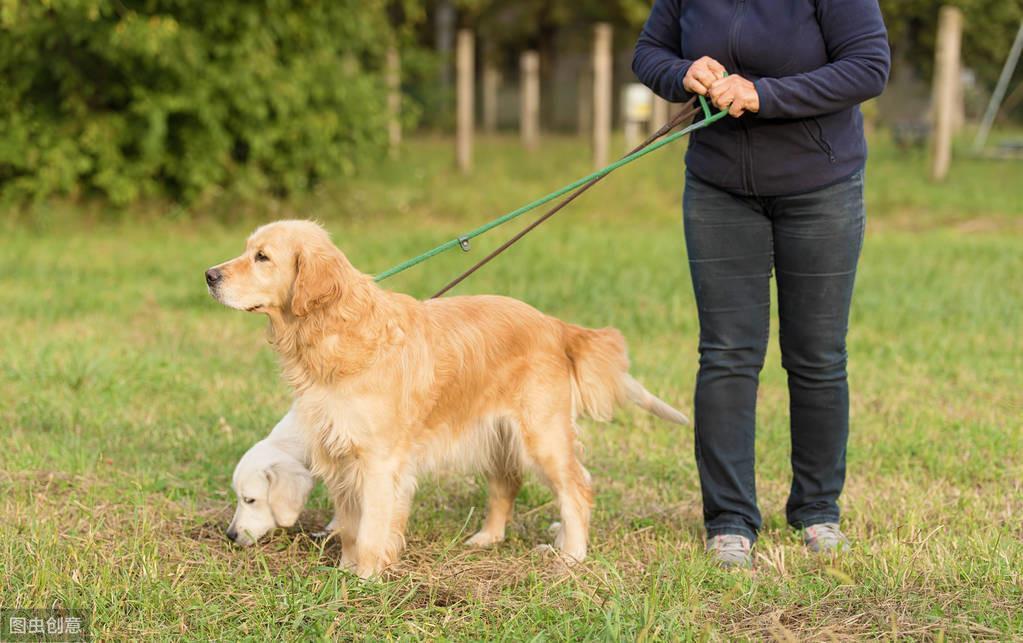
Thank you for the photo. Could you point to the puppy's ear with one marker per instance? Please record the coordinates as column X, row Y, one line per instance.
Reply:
column 290, row 485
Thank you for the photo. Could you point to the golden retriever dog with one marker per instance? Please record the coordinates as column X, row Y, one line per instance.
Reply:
column 390, row 387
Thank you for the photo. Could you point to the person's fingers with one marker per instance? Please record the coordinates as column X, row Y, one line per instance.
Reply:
column 715, row 67
column 721, row 83
column 719, row 88
column 736, row 109
column 690, row 84
column 705, row 76
column 723, row 100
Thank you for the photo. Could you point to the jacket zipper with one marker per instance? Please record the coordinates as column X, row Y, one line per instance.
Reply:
column 745, row 145
column 819, row 139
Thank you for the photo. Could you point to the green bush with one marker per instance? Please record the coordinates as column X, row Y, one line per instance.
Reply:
column 182, row 98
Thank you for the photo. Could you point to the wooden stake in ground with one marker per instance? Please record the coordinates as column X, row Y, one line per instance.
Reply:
column 946, row 77
column 393, row 101
column 464, row 110
column 602, row 62
column 491, row 85
column 529, row 99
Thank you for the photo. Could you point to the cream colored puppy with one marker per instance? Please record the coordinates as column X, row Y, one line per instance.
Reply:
column 388, row 387
column 272, row 482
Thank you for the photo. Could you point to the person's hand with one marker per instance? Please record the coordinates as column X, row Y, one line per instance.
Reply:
column 702, row 74
column 736, row 94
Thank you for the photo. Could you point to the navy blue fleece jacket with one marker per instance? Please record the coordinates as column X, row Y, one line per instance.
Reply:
column 812, row 62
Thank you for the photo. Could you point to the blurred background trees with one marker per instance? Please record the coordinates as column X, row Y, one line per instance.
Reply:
column 990, row 28
column 181, row 99
column 129, row 99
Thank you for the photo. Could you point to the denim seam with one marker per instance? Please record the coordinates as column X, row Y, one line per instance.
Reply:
column 737, row 529
column 816, row 519
column 817, row 274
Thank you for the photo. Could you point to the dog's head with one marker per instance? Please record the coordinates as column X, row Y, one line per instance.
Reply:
column 272, row 488
column 287, row 266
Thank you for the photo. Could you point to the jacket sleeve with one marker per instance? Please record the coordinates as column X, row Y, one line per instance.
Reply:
column 658, row 61
column 857, row 45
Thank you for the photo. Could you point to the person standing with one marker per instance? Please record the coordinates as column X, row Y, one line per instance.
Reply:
column 778, row 187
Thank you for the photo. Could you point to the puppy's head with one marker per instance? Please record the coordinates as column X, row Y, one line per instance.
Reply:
column 272, row 487
column 289, row 266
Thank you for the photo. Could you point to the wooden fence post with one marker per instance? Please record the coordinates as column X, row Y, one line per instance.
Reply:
column 946, row 76
column 464, row 110
column 529, row 91
column 602, row 100
column 393, row 101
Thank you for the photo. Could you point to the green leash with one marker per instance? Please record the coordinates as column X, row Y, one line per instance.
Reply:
column 463, row 240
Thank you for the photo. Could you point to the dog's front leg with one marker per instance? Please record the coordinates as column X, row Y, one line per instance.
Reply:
column 346, row 524
column 381, row 499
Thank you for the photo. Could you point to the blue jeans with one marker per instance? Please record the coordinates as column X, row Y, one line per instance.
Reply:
column 812, row 241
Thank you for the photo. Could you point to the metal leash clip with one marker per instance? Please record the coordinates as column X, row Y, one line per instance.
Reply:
column 463, row 243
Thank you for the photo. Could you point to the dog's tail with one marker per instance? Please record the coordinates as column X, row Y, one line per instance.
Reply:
column 651, row 403
column 600, row 376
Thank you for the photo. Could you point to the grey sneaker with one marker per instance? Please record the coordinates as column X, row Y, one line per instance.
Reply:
column 825, row 538
column 730, row 550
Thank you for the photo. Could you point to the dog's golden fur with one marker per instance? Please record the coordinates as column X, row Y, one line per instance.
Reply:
column 390, row 386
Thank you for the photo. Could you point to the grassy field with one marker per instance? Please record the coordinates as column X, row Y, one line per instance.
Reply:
column 127, row 395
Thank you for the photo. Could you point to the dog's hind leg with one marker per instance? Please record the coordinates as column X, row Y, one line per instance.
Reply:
column 552, row 450
column 504, row 477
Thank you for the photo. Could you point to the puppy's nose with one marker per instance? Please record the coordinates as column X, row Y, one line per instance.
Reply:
column 232, row 534
column 213, row 277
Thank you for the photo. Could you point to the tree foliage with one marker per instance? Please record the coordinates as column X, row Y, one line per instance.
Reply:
column 524, row 23
column 179, row 98
column 989, row 27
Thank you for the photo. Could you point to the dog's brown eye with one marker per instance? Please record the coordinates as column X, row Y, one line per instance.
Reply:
column 261, row 257
column 249, row 501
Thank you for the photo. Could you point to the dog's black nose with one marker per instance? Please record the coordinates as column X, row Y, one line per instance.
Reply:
column 232, row 534
column 213, row 277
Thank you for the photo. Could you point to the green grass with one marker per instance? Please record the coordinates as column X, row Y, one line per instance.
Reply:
column 127, row 395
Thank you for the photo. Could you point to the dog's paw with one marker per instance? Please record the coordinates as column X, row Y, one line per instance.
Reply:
column 369, row 570
column 558, row 549
column 347, row 562
column 559, row 559
column 554, row 559
column 484, row 539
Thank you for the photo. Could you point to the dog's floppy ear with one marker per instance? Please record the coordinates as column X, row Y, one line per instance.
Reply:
column 319, row 279
column 290, row 485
